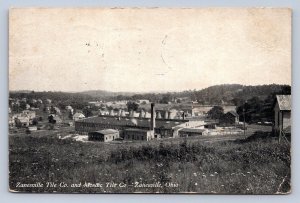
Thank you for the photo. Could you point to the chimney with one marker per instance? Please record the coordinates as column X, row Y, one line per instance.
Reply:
column 152, row 121
column 183, row 116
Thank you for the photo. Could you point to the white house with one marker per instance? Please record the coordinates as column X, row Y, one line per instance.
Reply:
column 78, row 116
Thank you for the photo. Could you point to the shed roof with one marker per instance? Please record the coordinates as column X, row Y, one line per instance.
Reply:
column 284, row 102
column 106, row 131
column 192, row 130
column 233, row 113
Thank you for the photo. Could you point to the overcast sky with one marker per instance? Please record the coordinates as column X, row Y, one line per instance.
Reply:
column 147, row 49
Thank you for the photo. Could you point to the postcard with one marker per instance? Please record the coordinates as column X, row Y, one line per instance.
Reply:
column 150, row 100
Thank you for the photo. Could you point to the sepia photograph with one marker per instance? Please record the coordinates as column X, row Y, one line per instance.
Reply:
column 150, row 100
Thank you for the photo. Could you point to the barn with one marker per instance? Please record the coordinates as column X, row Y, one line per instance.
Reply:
column 282, row 115
column 106, row 135
column 229, row 118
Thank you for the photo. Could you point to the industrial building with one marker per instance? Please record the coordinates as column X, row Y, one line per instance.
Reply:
column 103, row 135
column 146, row 128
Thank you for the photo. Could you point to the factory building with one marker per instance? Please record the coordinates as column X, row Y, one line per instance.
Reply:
column 103, row 135
column 125, row 124
column 138, row 134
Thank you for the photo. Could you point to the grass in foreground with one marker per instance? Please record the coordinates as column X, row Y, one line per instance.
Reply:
column 252, row 166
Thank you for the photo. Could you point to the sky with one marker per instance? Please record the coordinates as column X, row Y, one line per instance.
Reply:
column 143, row 50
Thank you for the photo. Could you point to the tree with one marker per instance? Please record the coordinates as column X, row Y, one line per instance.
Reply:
column 35, row 121
column 70, row 115
column 166, row 99
column 52, row 110
column 132, row 106
column 216, row 112
column 87, row 112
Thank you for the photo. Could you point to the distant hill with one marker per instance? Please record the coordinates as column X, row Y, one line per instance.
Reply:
column 105, row 94
column 233, row 92
column 218, row 94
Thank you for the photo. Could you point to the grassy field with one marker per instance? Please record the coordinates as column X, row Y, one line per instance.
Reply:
column 255, row 165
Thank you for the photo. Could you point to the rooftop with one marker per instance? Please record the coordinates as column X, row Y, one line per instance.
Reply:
column 132, row 122
column 107, row 131
column 192, row 130
column 284, row 102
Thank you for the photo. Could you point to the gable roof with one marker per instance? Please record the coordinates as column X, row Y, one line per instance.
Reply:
column 233, row 113
column 78, row 115
column 284, row 102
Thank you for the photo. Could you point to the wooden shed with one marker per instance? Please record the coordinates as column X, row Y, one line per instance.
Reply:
column 282, row 115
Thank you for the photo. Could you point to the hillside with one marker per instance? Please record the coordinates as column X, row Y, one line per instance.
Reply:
column 218, row 94
column 234, row 93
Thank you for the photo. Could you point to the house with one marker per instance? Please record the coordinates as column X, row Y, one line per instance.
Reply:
column 106, row 135
column 78, row 116
column 32, row 128
column 22, row 121
column 29, row 114
column 142, row 101
column 69, row 108
column 282, row 115
column 57, row 110
column 229, row 118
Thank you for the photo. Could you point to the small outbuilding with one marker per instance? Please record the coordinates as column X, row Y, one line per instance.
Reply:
column 187, row 132
column 282, row 117
column 230, row 118
column 106, row 135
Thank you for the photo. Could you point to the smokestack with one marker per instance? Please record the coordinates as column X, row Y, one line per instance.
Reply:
column 166, row 115
column 123, row 113
column 152, row 121
column 169, row 115
column 131, row 113
column 158, row 115
column 142, row 114
column 119, row 112
column 111, row 113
